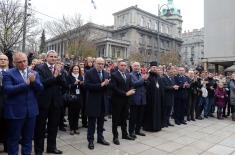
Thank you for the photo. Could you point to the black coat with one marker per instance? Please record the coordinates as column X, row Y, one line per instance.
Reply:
column 120, row 102
column 52, row 93
column 169, row 91
column 95, row 97
column 72, row 86
column 182, row 92
column 120, row 87
column 153, row 108
column 2, row 122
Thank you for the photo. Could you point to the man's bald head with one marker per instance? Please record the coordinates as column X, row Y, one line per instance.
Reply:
column 3, row 61
column 20, row 60
column 136, row 66
column 99, row 63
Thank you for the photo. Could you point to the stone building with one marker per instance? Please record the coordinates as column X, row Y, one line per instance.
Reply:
column 192, row 51
column 134, row 31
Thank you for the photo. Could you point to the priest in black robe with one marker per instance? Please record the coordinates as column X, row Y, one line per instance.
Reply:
column 154, row 94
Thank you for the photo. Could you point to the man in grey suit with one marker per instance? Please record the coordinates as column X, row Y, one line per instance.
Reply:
column 137, row 101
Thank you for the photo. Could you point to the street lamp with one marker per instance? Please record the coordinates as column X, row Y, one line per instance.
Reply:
column 158, row 29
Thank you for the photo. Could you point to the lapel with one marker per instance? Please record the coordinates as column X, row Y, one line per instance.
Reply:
column 120, row 76
column 18, row 75
column 97, row 75
column 47, row 70
column 171, row 80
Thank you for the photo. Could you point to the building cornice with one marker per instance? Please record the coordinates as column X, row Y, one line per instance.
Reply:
column 143, row 11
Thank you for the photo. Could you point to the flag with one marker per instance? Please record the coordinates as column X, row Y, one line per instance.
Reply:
column 92, row 1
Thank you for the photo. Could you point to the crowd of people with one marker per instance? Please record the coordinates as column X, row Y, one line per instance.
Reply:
column 37, row 95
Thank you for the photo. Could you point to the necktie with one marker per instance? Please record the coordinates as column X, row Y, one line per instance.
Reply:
column 100, row 75
column 24, row 73
column 124, row 76
column 51, row 69
column 138, row 75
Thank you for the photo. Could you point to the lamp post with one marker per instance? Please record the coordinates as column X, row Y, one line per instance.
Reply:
column 27, row 3
column 158, row 30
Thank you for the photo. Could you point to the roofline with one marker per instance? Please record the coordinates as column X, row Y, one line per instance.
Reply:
column 138, row 9
column 87, row 25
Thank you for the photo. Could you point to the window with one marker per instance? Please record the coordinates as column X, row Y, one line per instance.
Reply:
column 192, row 49
column 141, row 21
column 161, row 28
column 118, row 53
column 141, row 41
column 123, row 20
column 167, row 29
column 149, row 40
column 148, row 25
column 155, row 26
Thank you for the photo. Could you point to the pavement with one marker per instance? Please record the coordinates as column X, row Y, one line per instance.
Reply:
column 205, row 137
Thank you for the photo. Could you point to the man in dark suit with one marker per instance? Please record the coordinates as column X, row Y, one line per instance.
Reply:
column 50, row 103
column 122, row 89
column 181, row 96
column 137, row 101
column 96, row 82
column 3, row 68
column 169, row 88
column 20, row 84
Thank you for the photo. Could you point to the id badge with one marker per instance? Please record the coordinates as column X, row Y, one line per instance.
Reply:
column 157, row 85
column 77, row 91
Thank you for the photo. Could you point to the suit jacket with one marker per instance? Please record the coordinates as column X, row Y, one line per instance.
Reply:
column 139, row 98
column 2, row 95
column 181, row 93
column 169, row 91
column 70, row 81
column 52, row 93
column 120, row 87
column 21, row 101
column 95, row 97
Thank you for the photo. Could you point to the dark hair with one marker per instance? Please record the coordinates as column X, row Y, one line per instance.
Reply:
column 71, row 70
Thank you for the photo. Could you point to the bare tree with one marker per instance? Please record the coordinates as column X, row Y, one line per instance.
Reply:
column 170, row 57
column 137, row 56
column 12, row 22
column 71, row 31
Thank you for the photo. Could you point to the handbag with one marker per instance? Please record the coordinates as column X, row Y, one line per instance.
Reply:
column 69, row 97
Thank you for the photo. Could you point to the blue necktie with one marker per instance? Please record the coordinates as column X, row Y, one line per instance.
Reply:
column 100, row 75
column 138, row 75
column 24, row 75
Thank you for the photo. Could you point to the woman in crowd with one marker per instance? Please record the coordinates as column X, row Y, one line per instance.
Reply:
column 220, row 96
column 74, row 82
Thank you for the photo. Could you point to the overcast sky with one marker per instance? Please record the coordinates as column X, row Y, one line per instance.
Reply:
column 191, row 10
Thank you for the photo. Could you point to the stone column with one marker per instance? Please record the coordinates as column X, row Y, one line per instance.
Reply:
column 216, row 68
column 106, row 50
column 110, row 51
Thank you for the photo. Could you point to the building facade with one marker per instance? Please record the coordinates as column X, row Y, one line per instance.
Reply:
column 192, row 51
column 134, row 31
column 219, row 32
